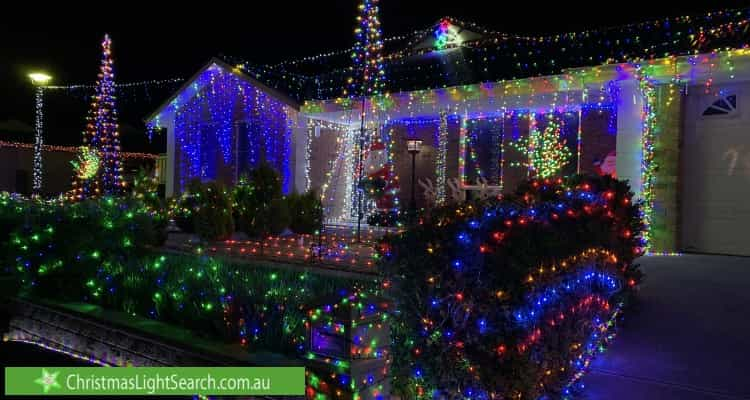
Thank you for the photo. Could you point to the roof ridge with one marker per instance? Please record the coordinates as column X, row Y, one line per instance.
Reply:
column 509, row 35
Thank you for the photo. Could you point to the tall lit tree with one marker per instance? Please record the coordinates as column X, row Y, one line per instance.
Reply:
column 367, row 75
column 102, row 134
column 367, row 79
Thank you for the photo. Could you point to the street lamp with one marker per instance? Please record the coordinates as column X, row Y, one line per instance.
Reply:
column 40, row 80
column 413, row 146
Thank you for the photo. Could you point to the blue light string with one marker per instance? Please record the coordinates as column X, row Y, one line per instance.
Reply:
column 585, row 281
column 206, row 113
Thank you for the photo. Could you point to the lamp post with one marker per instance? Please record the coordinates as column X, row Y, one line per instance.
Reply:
column 413, row 146
column 360, row 170
column 39, row 80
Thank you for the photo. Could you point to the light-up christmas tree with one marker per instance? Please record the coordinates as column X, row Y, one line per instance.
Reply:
column 101, row 135
column 367, row 76
column 366, row 79
column 545, row 151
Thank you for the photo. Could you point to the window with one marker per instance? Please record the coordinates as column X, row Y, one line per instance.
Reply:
column 726, row 105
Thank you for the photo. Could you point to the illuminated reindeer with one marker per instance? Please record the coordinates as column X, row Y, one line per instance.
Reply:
column 457, row 194
column 485, row 190
column 430, row 194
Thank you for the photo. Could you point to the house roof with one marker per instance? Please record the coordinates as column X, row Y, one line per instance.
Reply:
column 14, row 125
column 456, row 55
column 475, row 54
column 15, row 130
column 215, row 63
column 561, row 91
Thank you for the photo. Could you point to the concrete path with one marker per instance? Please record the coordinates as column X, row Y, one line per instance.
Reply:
column 687, row 338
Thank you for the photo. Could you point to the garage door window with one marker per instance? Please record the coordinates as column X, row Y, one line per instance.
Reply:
column 724, row 106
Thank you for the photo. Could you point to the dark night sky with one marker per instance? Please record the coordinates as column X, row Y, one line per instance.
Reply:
column 164, row 42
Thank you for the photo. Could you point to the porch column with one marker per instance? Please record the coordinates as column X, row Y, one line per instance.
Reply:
column 665, row 224
column 299, row 161
column 629, row 131
column 170, row 187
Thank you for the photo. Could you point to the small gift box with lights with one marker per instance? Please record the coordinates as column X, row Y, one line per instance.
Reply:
column 348, row 342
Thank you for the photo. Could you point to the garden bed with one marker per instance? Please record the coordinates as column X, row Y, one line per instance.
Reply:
column 506, row 298
column 52, row 254
column 323, row 253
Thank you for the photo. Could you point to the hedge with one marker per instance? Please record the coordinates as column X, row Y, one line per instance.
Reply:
column 255, row 206
column 509, row 298
column 104, row 252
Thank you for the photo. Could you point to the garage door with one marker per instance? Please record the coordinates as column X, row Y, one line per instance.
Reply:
column 716, row 172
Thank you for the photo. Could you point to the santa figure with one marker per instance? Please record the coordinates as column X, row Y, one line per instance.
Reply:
column 377, row 167
column 607, row 166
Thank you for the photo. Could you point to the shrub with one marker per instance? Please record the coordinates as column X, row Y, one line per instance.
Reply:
column 277, row 218
column 181, row 208
column 52, row 245
column 267, row 183
column 306, row 212
column 53, row 254
column 145, row 188
column 255, row 197
column 498, row 299
column 204, row 209
column 13, row 209
column 243, row 203
column 388, row 218
column 255, row 206
column 213, row 215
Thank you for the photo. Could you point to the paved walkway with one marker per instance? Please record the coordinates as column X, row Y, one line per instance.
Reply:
column 687, row 338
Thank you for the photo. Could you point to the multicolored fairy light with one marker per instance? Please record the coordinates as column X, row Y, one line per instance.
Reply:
column 492, row 55
column 73, row 149
column 38, row 139
column 463, row 140
column 222, row 120
column 442, row 34
column 40, row 81
column 102, row 135
column 86, row 164
column 367, row 70
column 457, row 309
column 261, row 307
column 441, row 167
column 547, row 151
column 648, row 162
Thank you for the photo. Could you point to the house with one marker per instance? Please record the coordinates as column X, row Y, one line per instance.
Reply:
column 223, row 122
column 671, row 122
column 17, row 155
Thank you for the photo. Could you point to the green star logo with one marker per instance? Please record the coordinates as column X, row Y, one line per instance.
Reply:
column 48, row 380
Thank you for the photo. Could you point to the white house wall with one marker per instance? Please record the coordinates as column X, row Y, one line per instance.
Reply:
column 629, row 134
column 716, row 172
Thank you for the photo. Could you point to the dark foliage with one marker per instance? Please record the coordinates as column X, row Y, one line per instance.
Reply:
column 306, row 212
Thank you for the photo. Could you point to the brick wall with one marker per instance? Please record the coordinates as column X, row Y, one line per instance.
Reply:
column 668, row 133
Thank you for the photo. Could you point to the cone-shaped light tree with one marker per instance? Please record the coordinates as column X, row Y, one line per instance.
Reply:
column 367, row 76
column 101, row 135
column 367, row 79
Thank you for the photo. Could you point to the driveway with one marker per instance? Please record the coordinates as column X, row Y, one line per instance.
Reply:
column 686, row 338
